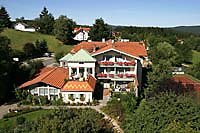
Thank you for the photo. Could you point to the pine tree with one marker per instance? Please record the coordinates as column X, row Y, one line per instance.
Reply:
column 45, row 22
column 4, row 18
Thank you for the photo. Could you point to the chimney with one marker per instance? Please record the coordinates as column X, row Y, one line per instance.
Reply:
column 103, row 40
column 112, row 42
column 94, row 48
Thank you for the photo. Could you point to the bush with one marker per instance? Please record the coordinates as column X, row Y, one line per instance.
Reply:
column 57, row 102
column 20, row 120
column 19, row 112
column 43, row 100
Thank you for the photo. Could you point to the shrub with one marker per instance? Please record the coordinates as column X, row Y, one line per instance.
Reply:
column 20, row 120
column 43, row 100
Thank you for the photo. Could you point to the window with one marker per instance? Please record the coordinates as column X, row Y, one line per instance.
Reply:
column 71, row 97
column 82, row 97
column 81, row 62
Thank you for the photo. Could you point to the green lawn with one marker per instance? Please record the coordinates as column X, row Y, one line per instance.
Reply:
column 195, row 57
column 10, row 122
column 19, row 38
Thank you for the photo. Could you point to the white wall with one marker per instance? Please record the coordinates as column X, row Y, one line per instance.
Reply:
column 81, row 36
column 45, row 91
column 85, row 64
column 88, row 97
column 21, row 27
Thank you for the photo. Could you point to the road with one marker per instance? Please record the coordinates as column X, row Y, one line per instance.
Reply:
column 47, row 61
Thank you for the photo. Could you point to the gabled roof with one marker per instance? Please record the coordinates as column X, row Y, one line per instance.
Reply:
column 131, row 48
column 82, row 56
column 135, row 49
column 54, row 76
column 80, row 86
column 66, row 57
column 88, row 46
column 82, row 28
column 184, row 82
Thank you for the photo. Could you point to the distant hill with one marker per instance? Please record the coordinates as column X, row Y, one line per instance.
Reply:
column 189, row 29
column 19, row 38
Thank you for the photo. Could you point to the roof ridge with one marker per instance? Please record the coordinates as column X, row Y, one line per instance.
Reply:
column 48, row 73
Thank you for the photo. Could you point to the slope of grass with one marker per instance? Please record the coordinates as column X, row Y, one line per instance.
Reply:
column 19, row 38
column 10, row 122
column 195, row 57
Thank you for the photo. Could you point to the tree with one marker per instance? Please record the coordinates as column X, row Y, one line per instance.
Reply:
column 4, row 18
column 20, row 20
column 7, row 70
column 160, row 112
column 100, row 30
column 63, row 29
column 156, row 79
column 41, row 47
column 185, row 50
column 29, row 50
column 163, row 51
column 45, row 22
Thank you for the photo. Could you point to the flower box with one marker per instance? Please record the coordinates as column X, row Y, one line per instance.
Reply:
column 119, row 63
column 107, row 63
column 111, row 75
column 132, row 63
column 101, row 75
column 130, row 75
column 120, row 75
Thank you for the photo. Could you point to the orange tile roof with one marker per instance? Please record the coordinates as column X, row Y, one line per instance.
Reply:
column 81, row 28
column 132, row 48
column 80, row 86
column 184, row 82
column 88, row 46
column 53, row 76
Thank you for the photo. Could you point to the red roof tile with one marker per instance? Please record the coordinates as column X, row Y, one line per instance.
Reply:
column 81, row 28
column 80, row 86
column 184, row 82
column 88, row 46
column 53, row 76
column 132, row 48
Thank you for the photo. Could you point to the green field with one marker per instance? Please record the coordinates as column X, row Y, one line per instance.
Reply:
column 195, row 57
column 10, row 122
column 19, row 38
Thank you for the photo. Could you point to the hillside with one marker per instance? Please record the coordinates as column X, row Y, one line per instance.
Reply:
column 189, row 29
column 19, row 38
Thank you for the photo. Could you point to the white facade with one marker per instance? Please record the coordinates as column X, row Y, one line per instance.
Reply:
column 77, row 97
column 22, row 27
column 82, row 36
column 81, row 69
column 46, row 91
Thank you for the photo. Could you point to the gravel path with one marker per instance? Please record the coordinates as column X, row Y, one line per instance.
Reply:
column 5, row 108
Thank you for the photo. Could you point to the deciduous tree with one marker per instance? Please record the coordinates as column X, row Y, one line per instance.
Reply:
column 63, row 29
column 100, row 30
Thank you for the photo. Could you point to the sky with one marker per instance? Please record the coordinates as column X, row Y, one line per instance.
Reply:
column 157, row 13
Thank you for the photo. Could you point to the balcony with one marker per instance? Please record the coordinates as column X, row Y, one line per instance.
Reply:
column 116, row 64
column 115, row 76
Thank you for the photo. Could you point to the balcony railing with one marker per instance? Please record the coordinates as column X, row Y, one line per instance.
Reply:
column 110, row 63
column 121, row 75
